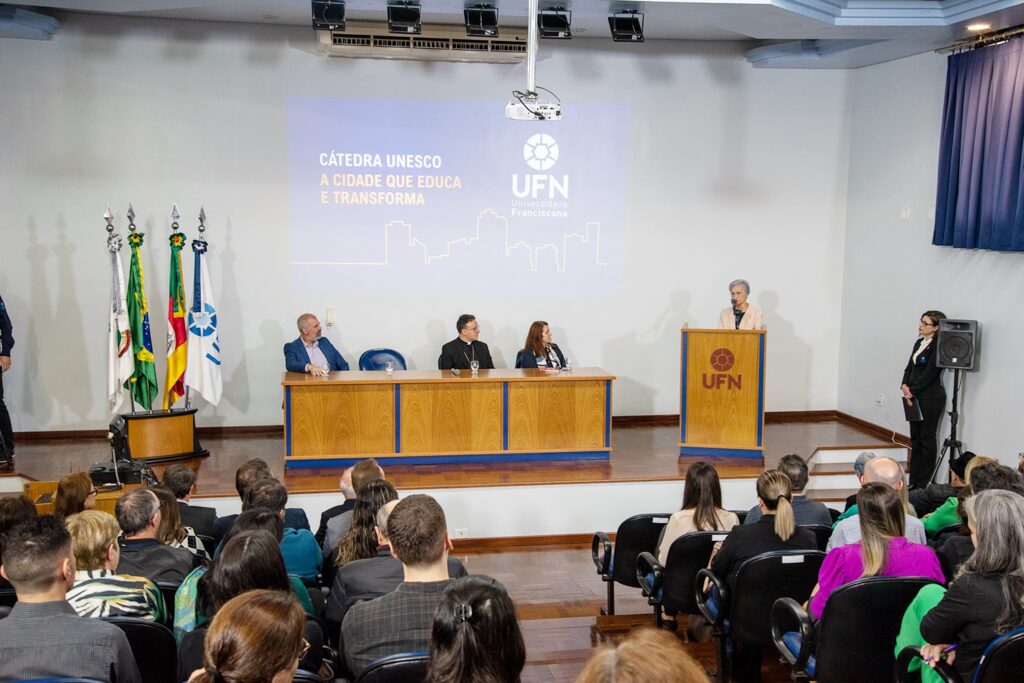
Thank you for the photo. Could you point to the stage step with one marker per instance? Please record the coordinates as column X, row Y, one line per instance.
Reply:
column 829, row 496
column 848, row 454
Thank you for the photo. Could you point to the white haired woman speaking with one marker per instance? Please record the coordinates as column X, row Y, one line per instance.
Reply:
column 741, row 315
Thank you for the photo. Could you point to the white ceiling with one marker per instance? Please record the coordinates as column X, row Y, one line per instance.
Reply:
column 781, row 33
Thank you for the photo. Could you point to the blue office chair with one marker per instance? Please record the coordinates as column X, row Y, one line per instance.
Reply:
column 374, row 359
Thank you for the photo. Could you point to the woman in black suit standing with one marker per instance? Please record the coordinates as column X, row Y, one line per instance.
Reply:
column 922, row 380
column 539, row 351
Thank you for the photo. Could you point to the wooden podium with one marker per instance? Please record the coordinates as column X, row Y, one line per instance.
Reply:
column 721, row 411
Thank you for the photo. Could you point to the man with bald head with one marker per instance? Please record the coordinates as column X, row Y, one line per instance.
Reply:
column 883, row 471
column 311, row 353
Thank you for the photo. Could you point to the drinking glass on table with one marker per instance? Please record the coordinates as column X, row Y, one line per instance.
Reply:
column 568, row 364
column 324, row 368
column 474, row 365
column 389, row 366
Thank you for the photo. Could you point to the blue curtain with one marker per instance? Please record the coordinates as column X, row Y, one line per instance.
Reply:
column 980, row 199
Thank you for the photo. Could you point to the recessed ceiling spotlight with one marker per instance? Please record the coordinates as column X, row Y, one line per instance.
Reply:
column 978, row 27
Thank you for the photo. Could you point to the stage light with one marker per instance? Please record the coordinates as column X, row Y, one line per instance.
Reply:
column 627, row 26
column 978, row 27
column 329, row 15
column 555, row 22
column 403, row 17
column 482, row 20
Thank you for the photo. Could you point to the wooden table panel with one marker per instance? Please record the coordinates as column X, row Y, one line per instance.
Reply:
column 451, row 417
column 355, row 419
column 556, row 415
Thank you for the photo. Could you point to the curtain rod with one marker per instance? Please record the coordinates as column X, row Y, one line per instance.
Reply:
column 968, row 44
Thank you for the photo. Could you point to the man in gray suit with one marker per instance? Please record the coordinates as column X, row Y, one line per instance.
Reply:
column 43, row 637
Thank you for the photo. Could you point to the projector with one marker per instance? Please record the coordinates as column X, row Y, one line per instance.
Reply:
column 531, row 108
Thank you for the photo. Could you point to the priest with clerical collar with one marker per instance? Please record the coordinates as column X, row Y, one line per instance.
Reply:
column 460, row 352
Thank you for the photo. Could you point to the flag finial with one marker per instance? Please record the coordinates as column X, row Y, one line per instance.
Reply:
column 202, row 220
column 109, row 218
column 174, row 217
column 131, row 218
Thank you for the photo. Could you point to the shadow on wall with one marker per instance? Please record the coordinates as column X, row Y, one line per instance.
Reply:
column 648, row 348
column 784, row 350
column 439, row 332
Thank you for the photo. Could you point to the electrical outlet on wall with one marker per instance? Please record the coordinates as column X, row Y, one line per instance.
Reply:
column 880, row 400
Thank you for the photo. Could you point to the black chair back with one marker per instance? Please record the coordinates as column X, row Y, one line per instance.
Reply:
column 168, row 590
column 405, row 667
column 313, row 632
column 8, row 597
column 761, row 581
column 4, row 611
column 639, row 533
column 153, row 646
column 303, row 676
column 858, row 628
column 741, row 515
column 822, row 532
column 209, row 545
column 834, row 514
column 687, row 555
column 1002, row 659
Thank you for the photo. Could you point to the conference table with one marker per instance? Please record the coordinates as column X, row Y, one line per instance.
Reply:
column 436, row 416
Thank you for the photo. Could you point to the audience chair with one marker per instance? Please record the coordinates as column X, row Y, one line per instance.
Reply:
column 1000, row 662
column 303, row 676
column 670, row 588
column 742, row 614
column 316, row 596
column 375, row 359
column 741, row 515
column 154, row 648
column 314, row 633
column 4, row 611
column 8, row 597
column 834, row 514
column 58, row 680
column 940, row 536
column 405, row 667
column 853, row 640
column 168, row 591
column 209, row 545
column 822, row 532
column 617, row 564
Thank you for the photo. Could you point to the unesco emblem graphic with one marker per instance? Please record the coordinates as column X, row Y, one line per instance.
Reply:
column 722, row 360
column 540, row 152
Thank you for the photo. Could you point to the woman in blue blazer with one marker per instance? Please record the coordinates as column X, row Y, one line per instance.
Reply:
column 539, row 351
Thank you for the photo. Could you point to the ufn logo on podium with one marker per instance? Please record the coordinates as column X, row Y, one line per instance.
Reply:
column 540, row 153
column 722, row 360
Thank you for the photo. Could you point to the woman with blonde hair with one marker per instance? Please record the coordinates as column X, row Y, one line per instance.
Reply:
column 883, row 549
column 776, row 530
column 646, row 654
column 99, row 591
column 256, row 637
column 75, row 493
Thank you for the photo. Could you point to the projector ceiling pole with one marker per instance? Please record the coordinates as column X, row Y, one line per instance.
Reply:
column 531, row 46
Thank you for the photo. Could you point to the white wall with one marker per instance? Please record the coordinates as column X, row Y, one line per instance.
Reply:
column 733, row 172
column 892, row 273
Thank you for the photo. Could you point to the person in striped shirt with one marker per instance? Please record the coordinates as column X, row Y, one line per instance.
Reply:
column 99, row 591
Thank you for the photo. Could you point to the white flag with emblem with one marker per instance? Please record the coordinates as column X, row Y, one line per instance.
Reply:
column 203, row 370
column 120, row 358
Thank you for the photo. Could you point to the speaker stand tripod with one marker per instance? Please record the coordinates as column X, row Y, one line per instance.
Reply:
column 951, row 447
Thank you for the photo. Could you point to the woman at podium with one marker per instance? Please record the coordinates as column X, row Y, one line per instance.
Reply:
column 741, row 315
column 922, row 384
column 539, row 351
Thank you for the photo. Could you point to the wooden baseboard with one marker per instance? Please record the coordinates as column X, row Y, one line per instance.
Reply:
column 521, row 543
column 787, row 416
column 645, row 421
column 872, row 428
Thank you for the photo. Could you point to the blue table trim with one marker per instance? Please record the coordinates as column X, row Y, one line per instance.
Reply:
column 682, row 392
column 398, row 418
column 345, row 461
column 722, row 452
column 504, row 416
column 287, row 421
column 607, row 413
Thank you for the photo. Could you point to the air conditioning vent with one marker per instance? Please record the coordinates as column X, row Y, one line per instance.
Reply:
column 436, row 43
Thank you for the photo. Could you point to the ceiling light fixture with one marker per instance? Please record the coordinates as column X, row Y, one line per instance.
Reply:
column 328, row 15
column 978, row 27
column 481, row 20
column 627, row 26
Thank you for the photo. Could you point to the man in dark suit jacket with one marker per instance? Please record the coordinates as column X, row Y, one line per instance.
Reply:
column 467, row 347
column 181, row 479
column 312, row 353
column 401, row 621
column 142, row 553
column 371, row 578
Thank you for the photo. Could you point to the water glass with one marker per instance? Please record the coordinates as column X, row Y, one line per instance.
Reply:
column 389, row 366
column 568, row 364
column 474, row 365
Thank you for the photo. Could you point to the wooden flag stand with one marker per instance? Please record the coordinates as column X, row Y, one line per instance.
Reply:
column 161, row 437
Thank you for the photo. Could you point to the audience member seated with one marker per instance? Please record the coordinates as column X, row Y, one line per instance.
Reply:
column 882, row 549
column 75, row 493
column 955, row 550
column 13, row 511
column 249, row 471
column 142, row 553
column 43, row 637
column 644, row 655
column 476, row 636
column 301, row 553
column 539, row 351
column 360, row 540
column 986, row 598
column 805, row 510
column 776, row 530
column 928, row 499
column 348, row 494
column 250, row 560
column 186, row 615
column 255, row 637
column 947, row 514
column 884, row 471
column 363, row 472
column 171, row 531
column 858, row 469
column 181, row 480
column 371, row 578
column 701, row 511
column 401, row 620
column 99, row 591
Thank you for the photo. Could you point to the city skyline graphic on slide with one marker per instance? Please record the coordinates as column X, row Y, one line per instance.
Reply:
column 396, row 251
